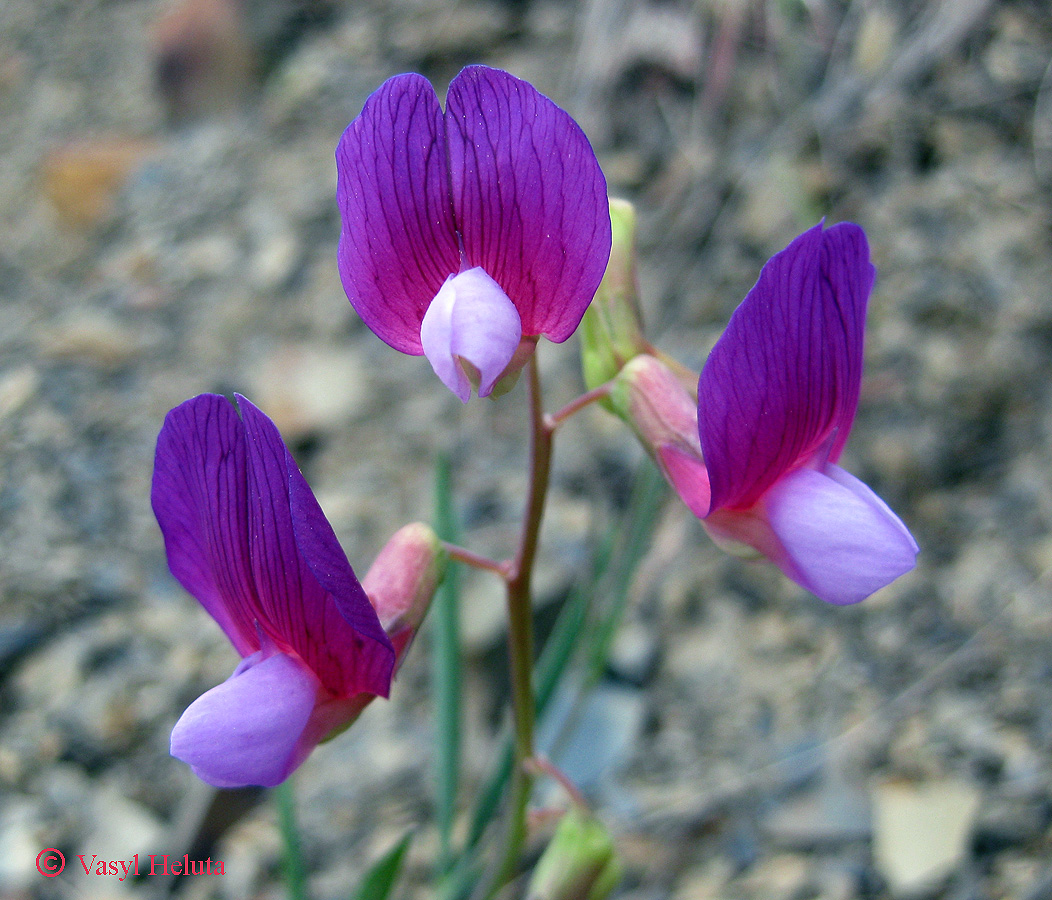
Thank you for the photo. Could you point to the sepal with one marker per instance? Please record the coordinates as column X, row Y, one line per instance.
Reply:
column 612, row 327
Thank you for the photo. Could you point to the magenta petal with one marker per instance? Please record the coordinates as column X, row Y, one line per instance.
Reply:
column 688, row 477
column 199, row 496
column 303, row 580
column 784, row 377
column 247, row 730
column 840, row 540
column 470, row 320
column 398, row 241
column 530, row 198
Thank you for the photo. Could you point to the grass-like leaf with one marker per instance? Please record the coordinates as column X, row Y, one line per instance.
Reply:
column 380, row 879
column 292, row 862
column 632, row 541
column 446, row 672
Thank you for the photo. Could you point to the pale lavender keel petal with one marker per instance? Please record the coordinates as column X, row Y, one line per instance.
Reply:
column 840, row 540
column 398, row 239
column 784, row 377
column 349, row 654
column 247, row 730
column 471, row 320
column 436, row 338
column 530, row 198
column 199, row 498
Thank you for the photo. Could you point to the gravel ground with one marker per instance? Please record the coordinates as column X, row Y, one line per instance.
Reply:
column 167, row 190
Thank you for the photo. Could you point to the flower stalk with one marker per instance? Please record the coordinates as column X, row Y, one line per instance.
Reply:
column 520, row 631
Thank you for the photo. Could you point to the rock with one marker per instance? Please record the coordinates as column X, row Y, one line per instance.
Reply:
column 634, row 654
column 833, row 815
column 204, row 60
column 875, row 40
column 783, row 876
column 922, row 832
column 92, row 337
column 306, row 389
column 274, row 261
column 81, row 178
column 662, row 37
column 120, row 828
column 20, row 842
column 589, row 738
column 17, row 387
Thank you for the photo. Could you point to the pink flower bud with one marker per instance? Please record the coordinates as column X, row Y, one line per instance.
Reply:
column 651, row 399
column 403, row 579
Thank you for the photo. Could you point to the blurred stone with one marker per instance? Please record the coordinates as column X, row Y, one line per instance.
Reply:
column 663, row 37
column 274, row 261
column 443, row 31
column 307, row 389
column 589, row 737
column 784, row 876
column 922, row 832
column 17, row 386
column 120, row 827
column 634, row 654
column 483, row 618
column 204, row 60
column 92, row 337
column 209, row 256
column 831, row 816
column 21, row 834
column 81, row 178
column 875, row 39
column 705, row 882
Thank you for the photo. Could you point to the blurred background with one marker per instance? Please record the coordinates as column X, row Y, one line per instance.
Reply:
column 169, row 227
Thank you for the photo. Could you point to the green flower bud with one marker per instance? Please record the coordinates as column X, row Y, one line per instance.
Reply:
column 579, row 862
column 612, row 328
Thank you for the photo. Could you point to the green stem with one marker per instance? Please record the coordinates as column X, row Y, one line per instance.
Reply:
column 475, row 561
column 520, row 632
column 295, row 871
column 556, row 419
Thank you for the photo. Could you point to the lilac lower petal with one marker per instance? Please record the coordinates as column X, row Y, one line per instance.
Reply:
column 246, row 731
column 470, row 321
column 839, row 539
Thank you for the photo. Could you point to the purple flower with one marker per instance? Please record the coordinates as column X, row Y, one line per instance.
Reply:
column 246, row 536
column 468, row 233
column 776, row 401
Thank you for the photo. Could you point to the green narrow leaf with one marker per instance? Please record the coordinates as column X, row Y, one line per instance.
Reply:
column 381, row 878
column 446, row 672
column 648, row 493
column 292, row 862
column 460, row 881
column 623, row 551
